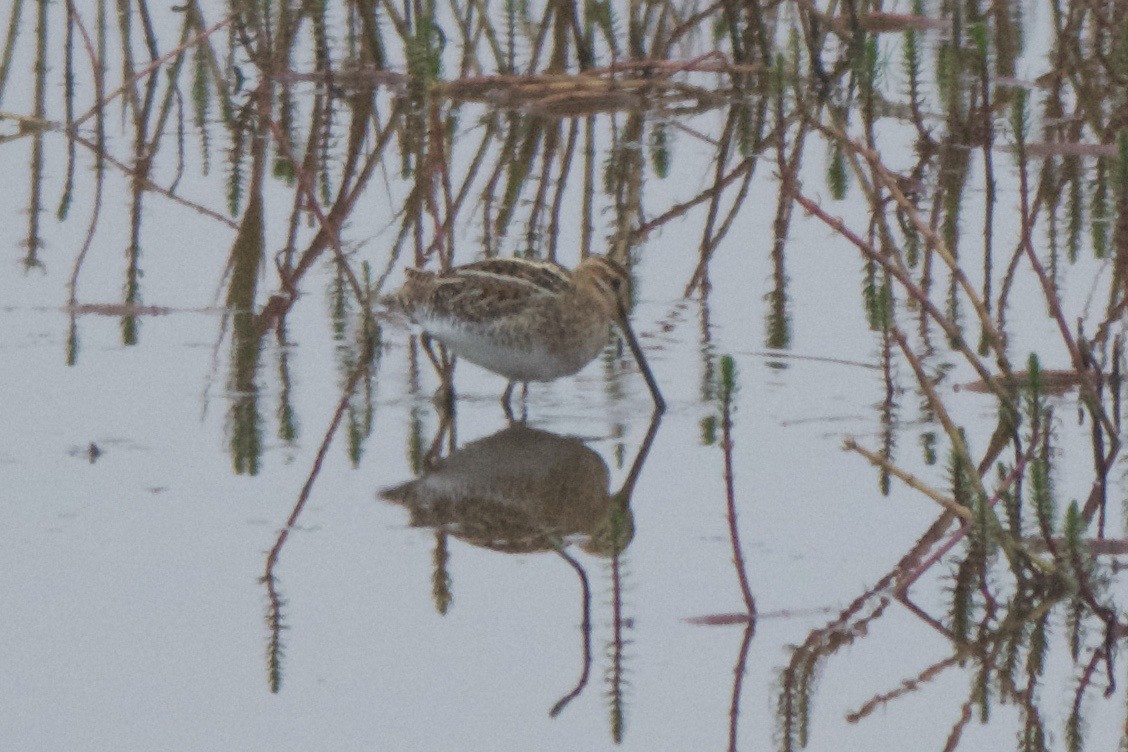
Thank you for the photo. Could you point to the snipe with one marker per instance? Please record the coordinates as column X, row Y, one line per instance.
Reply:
column 522, row 319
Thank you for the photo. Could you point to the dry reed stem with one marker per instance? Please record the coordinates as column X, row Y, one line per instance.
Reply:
column 361, row 77
column 88, row 43
column 890, row 181
column 678, row 210
column 908, row 686
column 149, row 185
column 955, row 336
column 904, row 583
column 727, row 446
column 315, row 470
column 148, row 70
column 95, row 213
column 280, row 303
column 1009, row 546
column 910, row 480
column 568, row 95
column 958, row 727
column 447, row 229
column 959, row 446
column 1088, row 385
column 738, row 673
column 978, row 649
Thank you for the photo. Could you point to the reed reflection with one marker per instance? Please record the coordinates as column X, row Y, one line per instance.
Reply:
column 1018, row 565
column 247, row 257
column 541, row 120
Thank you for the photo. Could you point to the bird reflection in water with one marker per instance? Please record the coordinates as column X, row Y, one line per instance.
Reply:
column 524, row 490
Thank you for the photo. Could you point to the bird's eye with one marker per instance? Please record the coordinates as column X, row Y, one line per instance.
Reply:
column 616, row 284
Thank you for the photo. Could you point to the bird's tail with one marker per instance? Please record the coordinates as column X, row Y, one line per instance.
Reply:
column 397, row 307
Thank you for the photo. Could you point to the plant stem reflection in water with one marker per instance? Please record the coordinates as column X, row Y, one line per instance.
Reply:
column 524, row 121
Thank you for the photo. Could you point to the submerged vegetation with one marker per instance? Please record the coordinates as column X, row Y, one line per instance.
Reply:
column 990, row 154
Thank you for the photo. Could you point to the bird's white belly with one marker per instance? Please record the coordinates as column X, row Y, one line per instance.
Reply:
column 514, row 359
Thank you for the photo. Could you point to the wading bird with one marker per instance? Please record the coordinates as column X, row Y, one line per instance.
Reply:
column 522, row 319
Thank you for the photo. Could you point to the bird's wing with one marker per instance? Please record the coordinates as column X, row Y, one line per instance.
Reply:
column 542, row 275
column 493, row 289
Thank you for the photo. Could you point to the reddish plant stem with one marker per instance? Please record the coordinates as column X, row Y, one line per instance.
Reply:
column 148, row 70
column 730, row 503
column 323, row 450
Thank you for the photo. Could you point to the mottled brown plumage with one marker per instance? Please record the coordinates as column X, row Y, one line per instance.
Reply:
column 525, row 320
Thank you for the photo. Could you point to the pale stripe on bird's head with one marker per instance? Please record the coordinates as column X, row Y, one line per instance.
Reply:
column 612, row 284
column 610, row 280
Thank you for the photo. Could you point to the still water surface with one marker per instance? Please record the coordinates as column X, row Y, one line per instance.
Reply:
column 207, row 539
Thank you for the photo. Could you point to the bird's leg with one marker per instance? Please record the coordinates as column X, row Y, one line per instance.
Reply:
column 524, row 401
column 443, row 366
column 425, row 340
column 506, row 397
column 444, row 396
column 446, row 429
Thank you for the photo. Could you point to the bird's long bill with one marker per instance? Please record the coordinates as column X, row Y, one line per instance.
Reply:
column 636, row 350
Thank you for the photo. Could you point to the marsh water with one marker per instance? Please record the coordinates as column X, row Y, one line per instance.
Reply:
column 880, row 255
